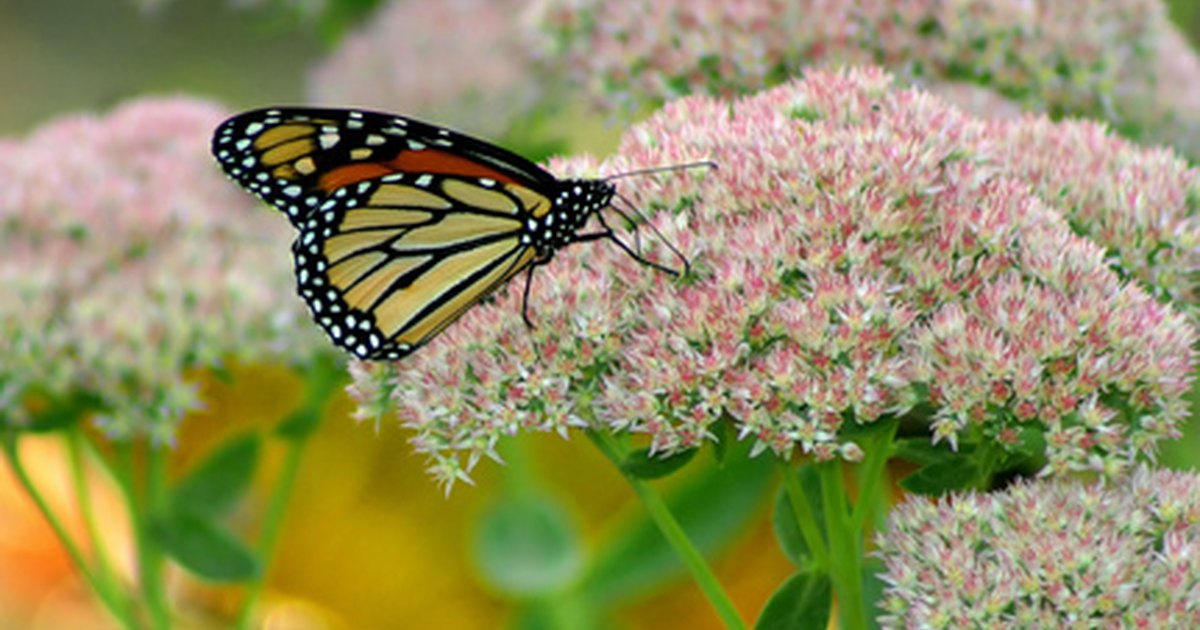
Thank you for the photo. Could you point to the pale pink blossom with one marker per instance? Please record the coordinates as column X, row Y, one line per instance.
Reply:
column 1137, row 203
column 1048, row 554
column 860, row 250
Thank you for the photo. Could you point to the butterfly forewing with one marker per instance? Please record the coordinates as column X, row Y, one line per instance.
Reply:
column 402, row 226
column 294, row 158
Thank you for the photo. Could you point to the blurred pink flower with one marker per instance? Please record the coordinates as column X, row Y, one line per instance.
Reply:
column 128, row 260
column 1048, row 554
column 1120, row 60
column 1173, row 104
column 458, row 62
column 859, row 250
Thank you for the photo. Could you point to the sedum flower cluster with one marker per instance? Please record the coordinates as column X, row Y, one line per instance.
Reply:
column 1141, row 205
column 127, row 261
column 1118, row 60
column 860, row 250
column 1048, row 554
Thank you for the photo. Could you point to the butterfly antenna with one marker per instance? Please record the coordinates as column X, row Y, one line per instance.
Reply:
column 664, row 169
column 687, row 265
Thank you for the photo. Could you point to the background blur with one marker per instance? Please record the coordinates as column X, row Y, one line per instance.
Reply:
column 370, row 541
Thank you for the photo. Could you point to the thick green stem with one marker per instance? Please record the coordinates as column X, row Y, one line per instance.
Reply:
column 989, row 458
column 321, row 385
column 151, row 560
column 871, row 475
column 272, row 526
column 844, row 545
column 108, row 594
column 103, row 568
column 673, row 532
column 803, row 512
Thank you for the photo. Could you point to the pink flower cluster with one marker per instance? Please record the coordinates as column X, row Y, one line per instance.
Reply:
column 1100, row 58
column 459, row 62
column 1141, row 205
column 859, row 250
column 1049, row 554
column 128, row 260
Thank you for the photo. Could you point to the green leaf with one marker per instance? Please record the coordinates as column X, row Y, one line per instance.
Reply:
column 941, row 477
column 535, row 615
column 712, row 507
column 199, row 546
column 921, row 450
column 873, row 587
column 527, row 547
column 723, row 436
column 299, row 424
column 783, row 518
column 220, row 480
column 322, row 380
column 804, row 601
column 558, row 614
column 1031, row 442
column 643, row 465
column 61, row 411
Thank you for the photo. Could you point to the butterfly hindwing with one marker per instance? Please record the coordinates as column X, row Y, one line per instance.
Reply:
column 386, row 264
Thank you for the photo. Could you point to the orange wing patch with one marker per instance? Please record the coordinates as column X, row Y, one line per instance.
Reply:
column 420, row 161
column 281, row 134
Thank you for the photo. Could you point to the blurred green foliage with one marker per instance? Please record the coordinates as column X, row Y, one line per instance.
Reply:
column 1186, row 13
column 331, row 18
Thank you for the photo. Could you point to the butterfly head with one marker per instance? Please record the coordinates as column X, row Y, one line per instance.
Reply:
column 575, row 202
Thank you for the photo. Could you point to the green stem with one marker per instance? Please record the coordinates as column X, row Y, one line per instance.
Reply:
column 151, row 560
column 846, row 572
column 871, row 475
column 803, row 512
column 75, row 439
column 323, row 379
column 109, row 596
column 272, row 526
column 989, row 457
column 673, row 532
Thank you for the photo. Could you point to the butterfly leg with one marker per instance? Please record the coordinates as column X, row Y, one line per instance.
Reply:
column 525, row 296
column 612, row 236
column 637, row 233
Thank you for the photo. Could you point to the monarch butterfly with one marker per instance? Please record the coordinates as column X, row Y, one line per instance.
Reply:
column 403, row 225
